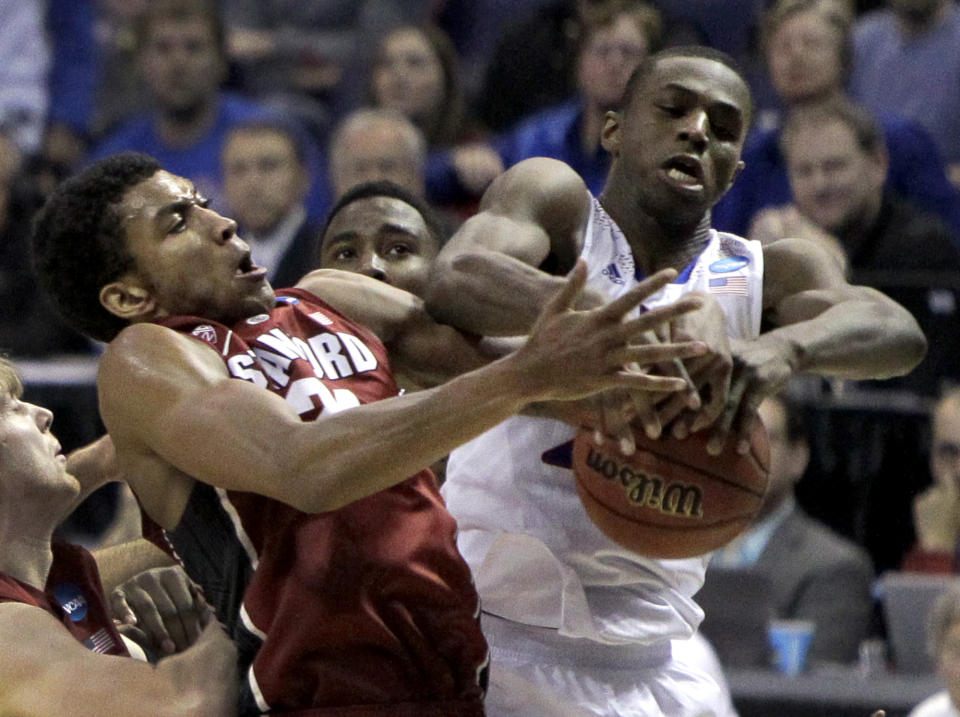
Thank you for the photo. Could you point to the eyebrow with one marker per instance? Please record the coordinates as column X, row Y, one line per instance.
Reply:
column 350, row 234
column 195, row 199
column 722, row 104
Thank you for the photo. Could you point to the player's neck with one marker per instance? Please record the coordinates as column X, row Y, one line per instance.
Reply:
column 655, row 244
column 27, row 558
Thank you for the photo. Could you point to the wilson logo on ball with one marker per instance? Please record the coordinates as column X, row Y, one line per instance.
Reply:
column 648, row 490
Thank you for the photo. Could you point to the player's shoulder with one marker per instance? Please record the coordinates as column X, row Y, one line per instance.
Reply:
column 144, row 349
column 545, row 172
column 140, row 338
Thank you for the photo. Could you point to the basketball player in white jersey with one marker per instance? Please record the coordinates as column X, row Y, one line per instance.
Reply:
column 567, row 612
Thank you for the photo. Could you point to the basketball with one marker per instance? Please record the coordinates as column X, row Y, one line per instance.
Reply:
column 671, row 499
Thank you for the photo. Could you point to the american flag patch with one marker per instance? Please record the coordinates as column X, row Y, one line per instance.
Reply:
column 728, row 285
column 100, row 641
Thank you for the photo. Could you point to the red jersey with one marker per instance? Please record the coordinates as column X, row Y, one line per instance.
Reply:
column 73, row 594
column 368, row 607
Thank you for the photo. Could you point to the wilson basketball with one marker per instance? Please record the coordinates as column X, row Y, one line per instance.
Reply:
column 671, row 499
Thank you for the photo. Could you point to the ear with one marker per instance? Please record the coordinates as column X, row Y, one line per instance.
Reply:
column 733, row 177
column 610, row 134
column 127, row 299
column 800, row 457
column 881, row 166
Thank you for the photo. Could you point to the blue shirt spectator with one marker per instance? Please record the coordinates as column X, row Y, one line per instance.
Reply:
column 556, row 132
column 916, row 173
column 912, row 70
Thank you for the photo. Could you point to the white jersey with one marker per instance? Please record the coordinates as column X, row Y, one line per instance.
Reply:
column 536, row 556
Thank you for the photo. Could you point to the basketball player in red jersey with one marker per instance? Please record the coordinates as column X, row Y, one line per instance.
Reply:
column 321, row 543
column 55, row 627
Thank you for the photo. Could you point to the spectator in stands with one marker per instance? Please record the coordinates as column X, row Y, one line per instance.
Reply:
column 837, row 165
column 72, row 83
column 182, row 59
column 532, row 65
column 377, row 144
column 907, row 60
column 305, row 58
column 265, row 179
column 936, row 511
column 814, row 573
column 29, row 325
column 807, row 48
column 55, row 623
column 943, row 642
column 24, row 63
column 616, row 35
column 416, row 74
column 382, row 230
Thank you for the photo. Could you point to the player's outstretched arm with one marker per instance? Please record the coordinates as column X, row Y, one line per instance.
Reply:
column 167, row 398
column 823, row 325
column 50, row 673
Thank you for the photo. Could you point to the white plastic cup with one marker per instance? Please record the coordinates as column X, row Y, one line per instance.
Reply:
column 790, row 640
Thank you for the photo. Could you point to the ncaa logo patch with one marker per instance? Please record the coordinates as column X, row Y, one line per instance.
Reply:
column 258, row 319
column 205, row 332
column 728, row 264
column 69, row 597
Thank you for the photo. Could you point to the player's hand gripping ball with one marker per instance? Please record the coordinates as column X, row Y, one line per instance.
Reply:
column 671, row 499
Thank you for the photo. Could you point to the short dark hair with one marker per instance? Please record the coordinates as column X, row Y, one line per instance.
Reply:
column 647, row 66
column 867, row 132
column 438, row 231
column 79, row 240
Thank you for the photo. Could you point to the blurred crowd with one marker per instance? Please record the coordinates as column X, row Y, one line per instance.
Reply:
column 276, row 109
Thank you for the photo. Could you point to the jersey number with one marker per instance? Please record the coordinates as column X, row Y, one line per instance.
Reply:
column 301, row 393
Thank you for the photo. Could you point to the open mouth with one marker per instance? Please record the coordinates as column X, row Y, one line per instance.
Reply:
column 685, row 172
column 247, row 268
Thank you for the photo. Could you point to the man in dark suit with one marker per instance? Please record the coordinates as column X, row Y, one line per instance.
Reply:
column 814, row 573
column 265, row 179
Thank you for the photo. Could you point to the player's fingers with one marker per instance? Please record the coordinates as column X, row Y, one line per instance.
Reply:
column 723, row 425
column 656, row 353
column 564, row 298
column 135, row 634
column 646, row 415
column 716, row 386
column 646, row 326
column 616, row 423
column 645, row 382
column 649, row 286
column 150, row 616
column 746, row 417
column 671, row 410
column 120, row 609
column 184, row 600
